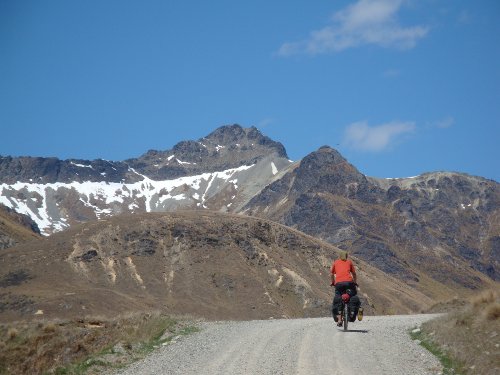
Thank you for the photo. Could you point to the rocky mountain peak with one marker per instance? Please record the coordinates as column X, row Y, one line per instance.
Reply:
column 327, row 167
column 228, row 134
column 324, row 171
column 324, row 156
column 229, row 146
column 232, row 135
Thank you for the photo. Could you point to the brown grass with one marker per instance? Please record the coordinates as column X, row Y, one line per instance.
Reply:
column 470, row 334
column 41, row 347
column 49, row 328
column 486, row 297
column 493, row 311
column 12, row 333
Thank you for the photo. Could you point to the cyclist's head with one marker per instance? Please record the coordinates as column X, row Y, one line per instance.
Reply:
column 343, row 255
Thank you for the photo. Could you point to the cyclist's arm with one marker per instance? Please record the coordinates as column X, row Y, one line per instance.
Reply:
column 332, row 273
column 353, row 273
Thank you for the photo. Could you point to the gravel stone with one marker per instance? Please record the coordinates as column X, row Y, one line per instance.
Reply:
column 376, row 345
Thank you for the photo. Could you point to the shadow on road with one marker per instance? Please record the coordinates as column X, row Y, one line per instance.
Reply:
column 356, row 331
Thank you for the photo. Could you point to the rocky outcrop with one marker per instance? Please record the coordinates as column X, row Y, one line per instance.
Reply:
column 450, row 211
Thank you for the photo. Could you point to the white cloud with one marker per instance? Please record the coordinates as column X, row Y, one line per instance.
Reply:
column 445, row 123
column 361, row 136
column 365, row 22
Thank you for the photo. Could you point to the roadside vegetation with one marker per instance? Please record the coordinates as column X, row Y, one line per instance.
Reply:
column 87, row 346
column 467, row 338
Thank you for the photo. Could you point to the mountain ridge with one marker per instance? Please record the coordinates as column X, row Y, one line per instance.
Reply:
column 438, row 214
column 212, row 153
column 430, row 231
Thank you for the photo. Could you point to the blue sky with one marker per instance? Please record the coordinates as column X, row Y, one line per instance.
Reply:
column 399, row 87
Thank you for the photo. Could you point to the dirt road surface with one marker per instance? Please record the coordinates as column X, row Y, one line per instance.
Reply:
column 376, row 345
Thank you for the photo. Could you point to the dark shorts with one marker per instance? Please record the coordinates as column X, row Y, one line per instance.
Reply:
column 350, row 287
column 354, row 302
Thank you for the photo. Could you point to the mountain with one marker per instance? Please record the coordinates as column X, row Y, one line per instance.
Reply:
column 427, row 229
column 437, row 232
column 207, row 264
column 221, row 172
column 226, row 148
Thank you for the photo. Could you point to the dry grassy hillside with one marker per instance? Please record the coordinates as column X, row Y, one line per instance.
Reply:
column 15, row 228
column 470, row 334
column 211, row 265
column 95, row 345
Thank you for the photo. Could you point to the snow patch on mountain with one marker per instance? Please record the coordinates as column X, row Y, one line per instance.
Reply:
column 81, row 165
column 41, row 201
column 273, row 168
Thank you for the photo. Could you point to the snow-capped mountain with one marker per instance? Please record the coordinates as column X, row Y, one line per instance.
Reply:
column 429, row 231
column 221, row 171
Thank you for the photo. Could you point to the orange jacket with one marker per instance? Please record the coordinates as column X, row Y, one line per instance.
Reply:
column 342, row 270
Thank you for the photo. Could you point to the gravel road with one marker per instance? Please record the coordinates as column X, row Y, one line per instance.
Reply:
column 377, row 345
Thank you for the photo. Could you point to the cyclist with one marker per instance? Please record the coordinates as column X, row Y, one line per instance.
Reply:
column 343, row 276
